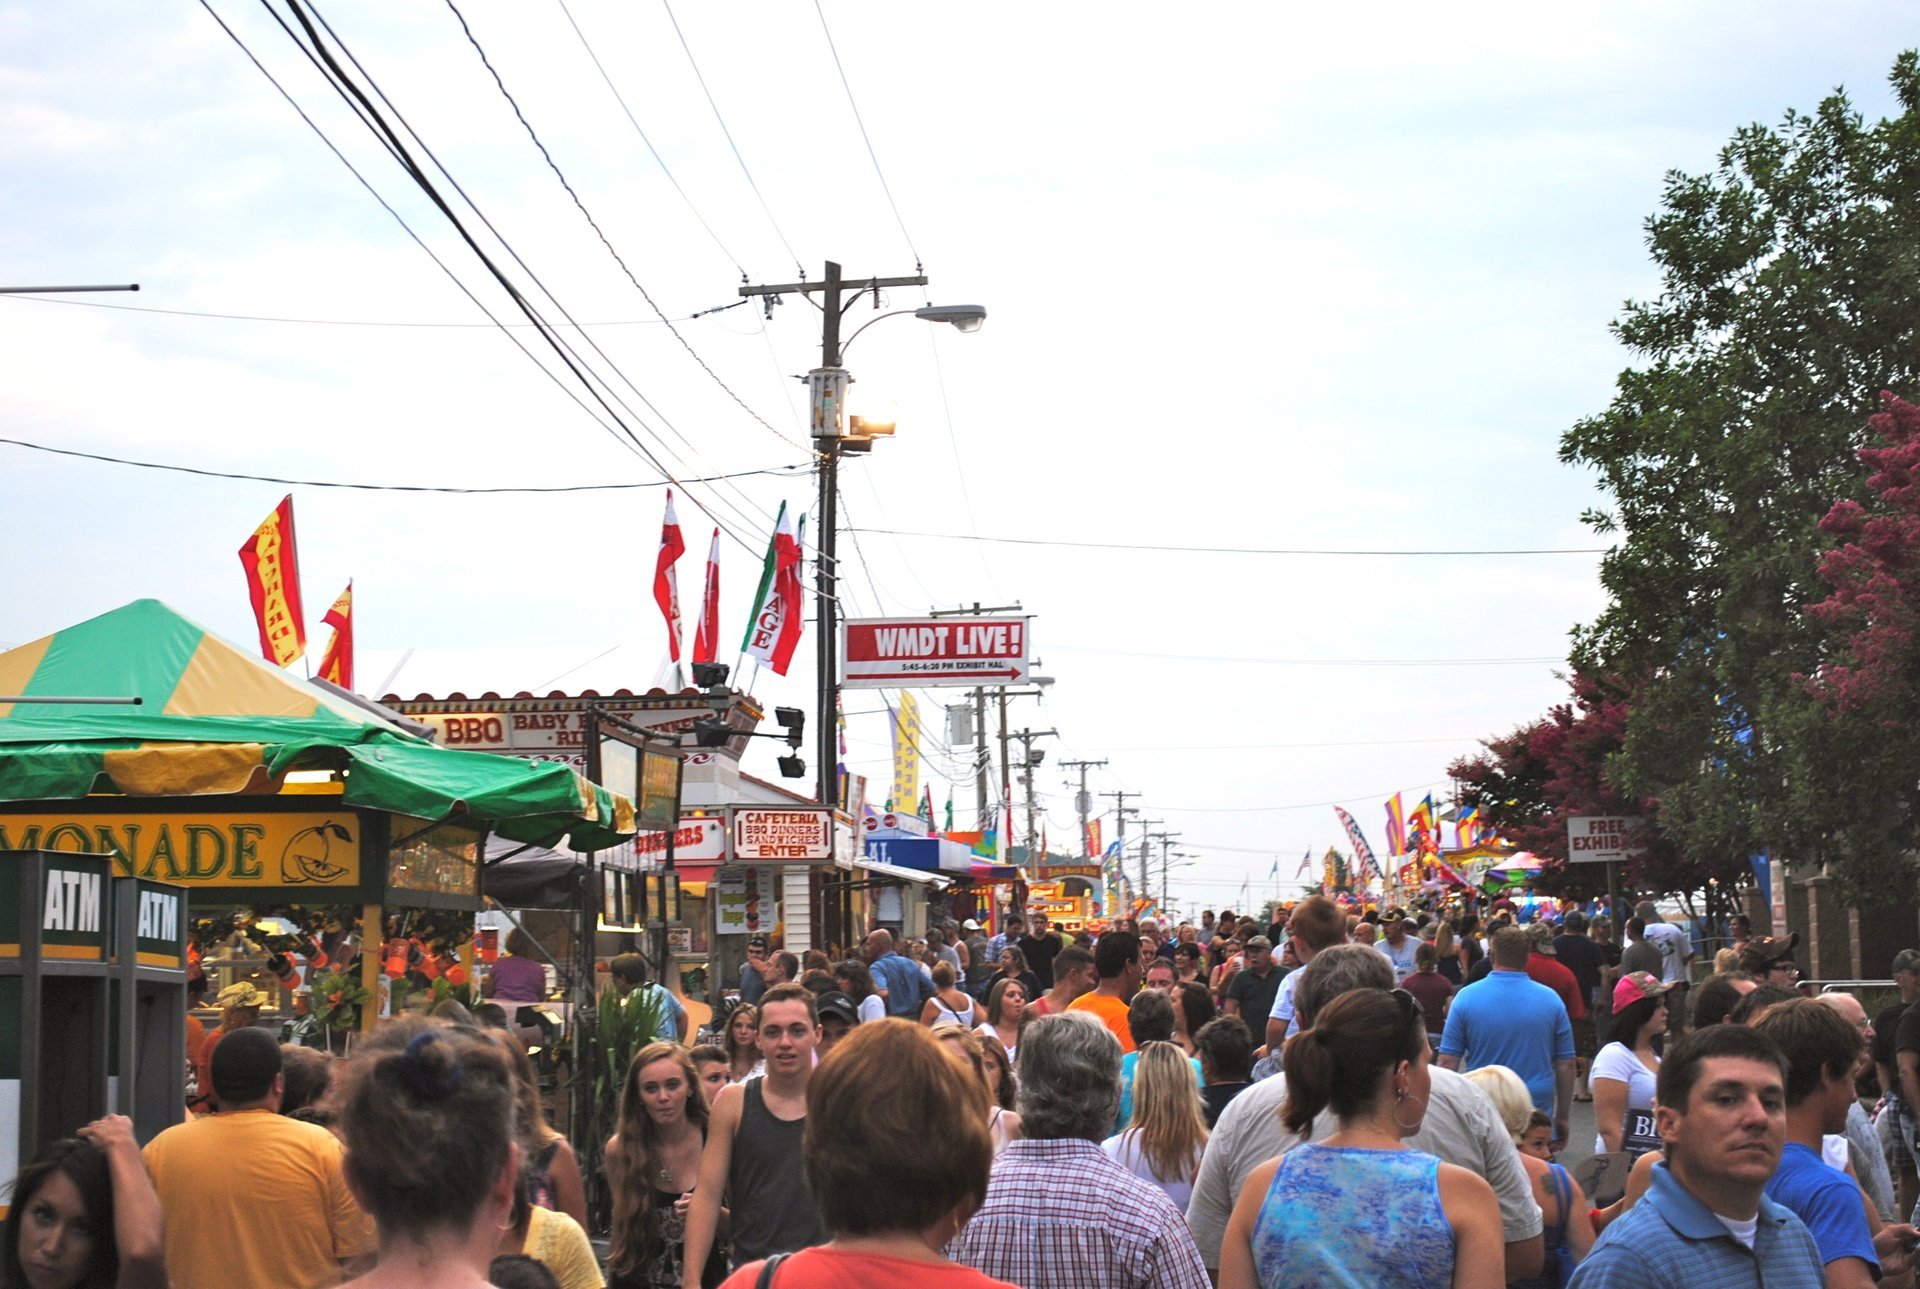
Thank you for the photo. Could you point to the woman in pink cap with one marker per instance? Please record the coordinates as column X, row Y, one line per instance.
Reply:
column 1623, row 1073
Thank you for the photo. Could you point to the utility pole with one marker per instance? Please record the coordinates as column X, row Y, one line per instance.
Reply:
column 827, row 385
column 1166, row 864
column 980, row 761
column 1083, row 804
column 1146, row 858
column 1026, row 738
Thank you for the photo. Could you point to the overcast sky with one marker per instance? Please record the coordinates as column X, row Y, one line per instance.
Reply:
column 1257, row 276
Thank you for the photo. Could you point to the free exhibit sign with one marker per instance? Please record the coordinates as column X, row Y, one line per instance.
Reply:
column 917, row 653
column 1604, row 839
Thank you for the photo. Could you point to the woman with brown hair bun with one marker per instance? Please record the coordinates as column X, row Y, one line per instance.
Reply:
column 653, row 1160
column 890, row 1210
column 1407, row 1221
column 428, row 1119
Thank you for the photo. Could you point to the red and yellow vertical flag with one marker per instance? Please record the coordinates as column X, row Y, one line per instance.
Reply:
column 336, row 664
column 272, row 562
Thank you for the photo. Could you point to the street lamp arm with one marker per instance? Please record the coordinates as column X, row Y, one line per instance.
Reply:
column 891, row 313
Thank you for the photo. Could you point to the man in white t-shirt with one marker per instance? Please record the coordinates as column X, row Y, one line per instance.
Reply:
column 1396, row 944
column 1676, row 951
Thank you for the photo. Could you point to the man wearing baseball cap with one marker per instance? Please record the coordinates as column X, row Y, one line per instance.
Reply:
column 1543, row 966
column 1396, row 943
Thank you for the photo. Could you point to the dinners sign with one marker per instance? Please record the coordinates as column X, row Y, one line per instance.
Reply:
column 798, row 836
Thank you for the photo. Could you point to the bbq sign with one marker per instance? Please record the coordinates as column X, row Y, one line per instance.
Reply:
column 800, row 836
column 918, row 653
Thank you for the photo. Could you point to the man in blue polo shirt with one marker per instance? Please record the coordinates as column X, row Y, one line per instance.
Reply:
column 1507, row 1019
column 901, row 984
column 1705, row 1222
column 1822, row 1051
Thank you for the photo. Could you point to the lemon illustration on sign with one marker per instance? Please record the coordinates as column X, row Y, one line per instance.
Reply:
column 306, row 857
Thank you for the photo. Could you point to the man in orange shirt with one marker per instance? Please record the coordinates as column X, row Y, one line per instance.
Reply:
column 1116, row 957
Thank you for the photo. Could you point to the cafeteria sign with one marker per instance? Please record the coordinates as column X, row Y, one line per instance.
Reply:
column 802, row 836
column 271, row 849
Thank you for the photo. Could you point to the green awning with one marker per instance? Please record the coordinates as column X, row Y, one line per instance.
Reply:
column 215, row 719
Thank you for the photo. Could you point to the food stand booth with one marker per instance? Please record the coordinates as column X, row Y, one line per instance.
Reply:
column 190, row 763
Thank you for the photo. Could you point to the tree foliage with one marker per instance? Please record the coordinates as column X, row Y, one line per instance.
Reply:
column 1790, row 297
column 1527, row 784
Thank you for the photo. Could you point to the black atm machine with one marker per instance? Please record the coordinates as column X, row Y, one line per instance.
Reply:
column 149, row 1039
column 92, row 1000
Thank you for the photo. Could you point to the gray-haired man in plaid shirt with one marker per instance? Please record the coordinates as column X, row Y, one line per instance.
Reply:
column 1059, row 1213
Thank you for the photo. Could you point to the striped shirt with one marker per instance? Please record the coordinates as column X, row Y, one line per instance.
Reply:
column 1061, row 1215
column 1670, row 1240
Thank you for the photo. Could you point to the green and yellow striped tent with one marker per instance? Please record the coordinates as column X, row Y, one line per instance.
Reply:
column 215, row 719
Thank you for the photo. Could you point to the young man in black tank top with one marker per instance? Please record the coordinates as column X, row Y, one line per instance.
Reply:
column 752, row 1159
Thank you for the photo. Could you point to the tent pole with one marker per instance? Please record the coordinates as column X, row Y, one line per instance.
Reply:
column 373, row 938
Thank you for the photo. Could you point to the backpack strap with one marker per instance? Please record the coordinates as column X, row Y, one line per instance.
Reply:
column 767, row 1270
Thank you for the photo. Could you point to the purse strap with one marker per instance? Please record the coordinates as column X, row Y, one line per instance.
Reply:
column 767, row 1269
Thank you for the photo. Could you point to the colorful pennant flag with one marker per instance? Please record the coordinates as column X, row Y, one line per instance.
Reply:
column 336, row 664
column 666, row 585
column 1363, row 861
column 1094, row 847
column 706, row 632
column 272, row 561
column 1396, row 826
column 774, row 629
column 1466, row 829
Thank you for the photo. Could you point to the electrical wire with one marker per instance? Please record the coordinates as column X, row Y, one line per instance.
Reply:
column 1227, row 550
column 360, row 322
column 343, row 86
column 601, row 233
column 865, row 138
column 1311, row 805
column 658, row 159
column 397, row 218
column 389, row 487
column 758, row 195
column 1312, row 662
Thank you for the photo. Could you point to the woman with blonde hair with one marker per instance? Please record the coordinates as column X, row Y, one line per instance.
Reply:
column 1564, row 1212
column 1163, row 1141
column 949, row 1001
column 653, row 1159
column 1003, row 1125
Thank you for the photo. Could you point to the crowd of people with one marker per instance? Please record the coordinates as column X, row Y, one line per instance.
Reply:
column 1332, row 1097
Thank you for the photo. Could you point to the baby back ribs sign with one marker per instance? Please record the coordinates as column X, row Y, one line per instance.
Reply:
column 919, row 653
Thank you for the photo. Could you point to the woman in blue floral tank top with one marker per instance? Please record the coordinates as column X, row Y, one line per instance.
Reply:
column 1360, row 1209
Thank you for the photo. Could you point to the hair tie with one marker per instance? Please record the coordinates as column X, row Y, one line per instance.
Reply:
column 413, row 1069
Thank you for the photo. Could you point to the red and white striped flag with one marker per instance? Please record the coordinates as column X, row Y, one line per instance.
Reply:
column 706, row 632
column 666, row 587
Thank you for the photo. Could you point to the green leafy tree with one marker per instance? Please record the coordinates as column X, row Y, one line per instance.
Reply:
column 1790, row 296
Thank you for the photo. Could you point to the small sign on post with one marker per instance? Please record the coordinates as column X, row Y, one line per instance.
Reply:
column 1605, row 839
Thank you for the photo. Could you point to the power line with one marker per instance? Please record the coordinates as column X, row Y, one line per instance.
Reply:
column 758, row 195
column 660, row 160
column 1311, row 662
column 386, row 206
column 337, row 79
column 1311, row 805
column 601, row 233
column 873, row 156
column 1223, row 550
column 389, row 487
column 362, row 322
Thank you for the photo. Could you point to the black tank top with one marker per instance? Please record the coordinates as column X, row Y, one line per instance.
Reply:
column 773, row 1211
